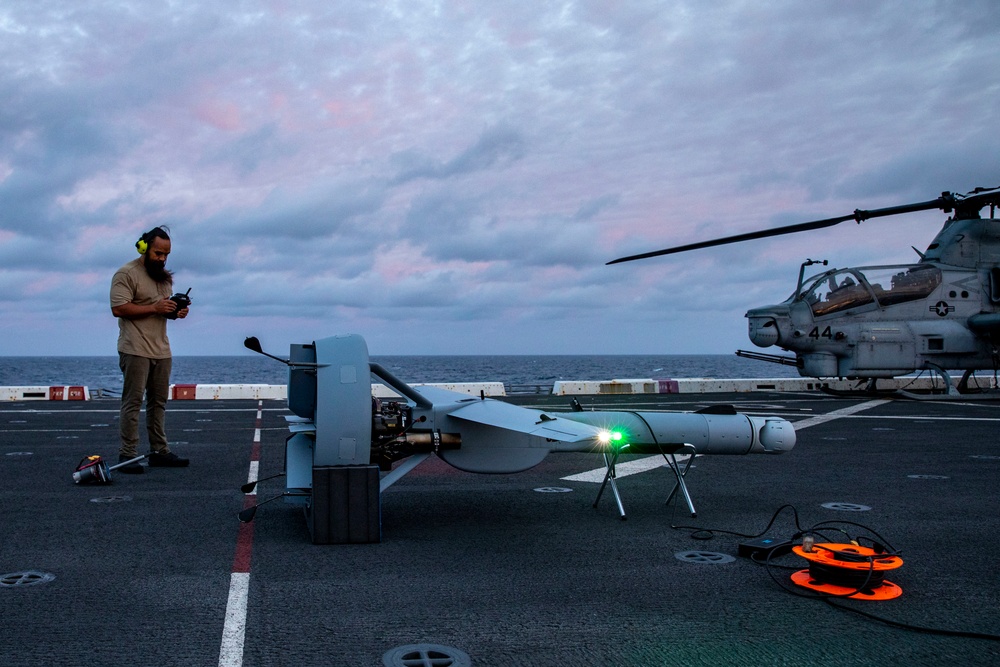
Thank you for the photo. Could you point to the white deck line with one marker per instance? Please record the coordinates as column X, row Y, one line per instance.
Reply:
column 234, row 631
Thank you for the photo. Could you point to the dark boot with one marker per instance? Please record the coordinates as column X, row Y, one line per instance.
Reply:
column 131, row 468
column 168, row 460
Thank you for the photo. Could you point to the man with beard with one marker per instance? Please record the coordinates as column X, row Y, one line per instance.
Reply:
column 140, row 299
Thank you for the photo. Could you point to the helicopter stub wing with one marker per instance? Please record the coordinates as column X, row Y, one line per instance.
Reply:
column 985, row 324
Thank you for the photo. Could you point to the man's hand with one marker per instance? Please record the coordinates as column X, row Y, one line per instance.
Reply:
column 133, row 311
column 164, row 307
column 182, row 313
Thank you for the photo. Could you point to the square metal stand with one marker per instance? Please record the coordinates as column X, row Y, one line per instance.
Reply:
column 610, row 476
column 345, row 506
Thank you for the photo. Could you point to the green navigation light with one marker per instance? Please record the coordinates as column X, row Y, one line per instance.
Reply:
column 613, row 438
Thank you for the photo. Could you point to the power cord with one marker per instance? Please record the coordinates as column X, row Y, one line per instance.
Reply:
column 881, row 549
column 699, row 533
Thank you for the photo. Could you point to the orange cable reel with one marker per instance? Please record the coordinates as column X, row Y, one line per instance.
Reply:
column 847, row 570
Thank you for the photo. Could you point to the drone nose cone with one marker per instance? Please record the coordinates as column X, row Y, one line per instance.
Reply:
column 777, row 435
column 763, row 331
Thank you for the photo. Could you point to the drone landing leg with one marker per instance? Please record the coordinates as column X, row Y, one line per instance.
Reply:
column 609, row 476
column 675, row 467
column 680, row 474
column 391, row 478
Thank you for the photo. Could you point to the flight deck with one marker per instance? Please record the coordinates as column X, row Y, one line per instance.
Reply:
column 499, row 570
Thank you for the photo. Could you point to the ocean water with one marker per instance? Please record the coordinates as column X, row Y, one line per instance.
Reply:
column 514, row 371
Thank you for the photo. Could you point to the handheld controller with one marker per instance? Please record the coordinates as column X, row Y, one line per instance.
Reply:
column 182, row 301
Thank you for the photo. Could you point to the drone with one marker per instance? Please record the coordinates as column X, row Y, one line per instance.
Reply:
column 355, row 429
column 865, row 323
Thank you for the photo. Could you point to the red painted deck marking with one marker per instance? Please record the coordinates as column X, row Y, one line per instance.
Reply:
column 234, row 630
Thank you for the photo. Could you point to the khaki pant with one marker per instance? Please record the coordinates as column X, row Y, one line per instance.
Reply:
column 149, row 377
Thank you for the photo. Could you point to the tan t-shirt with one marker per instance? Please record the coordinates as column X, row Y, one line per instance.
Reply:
column 146, row 336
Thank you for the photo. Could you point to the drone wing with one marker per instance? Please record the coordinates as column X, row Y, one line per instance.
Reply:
column 498, row 414
column 498, row 437
column 523, row 420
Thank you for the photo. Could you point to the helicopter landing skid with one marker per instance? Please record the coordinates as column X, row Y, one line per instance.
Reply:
column 983, row 395
column 953, row 392
column 871, row 389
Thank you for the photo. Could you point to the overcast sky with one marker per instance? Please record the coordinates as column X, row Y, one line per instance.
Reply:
column 451, row 177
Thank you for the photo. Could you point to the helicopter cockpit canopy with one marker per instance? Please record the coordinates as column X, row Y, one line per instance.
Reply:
column 837, row 291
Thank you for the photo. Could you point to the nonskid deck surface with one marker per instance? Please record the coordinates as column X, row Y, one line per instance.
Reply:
column 507, row 569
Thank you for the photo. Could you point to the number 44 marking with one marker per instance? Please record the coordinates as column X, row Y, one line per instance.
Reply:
column 815, row 333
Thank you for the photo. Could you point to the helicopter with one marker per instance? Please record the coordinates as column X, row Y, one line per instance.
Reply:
column 937, row 315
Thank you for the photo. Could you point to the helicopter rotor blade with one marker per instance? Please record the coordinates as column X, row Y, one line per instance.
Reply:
column 947, row 202
column 749, row 236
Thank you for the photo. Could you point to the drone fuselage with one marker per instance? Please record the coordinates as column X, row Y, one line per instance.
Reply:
column 341, row 435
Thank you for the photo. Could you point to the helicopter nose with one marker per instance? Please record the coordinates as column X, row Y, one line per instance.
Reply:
column 763, row 331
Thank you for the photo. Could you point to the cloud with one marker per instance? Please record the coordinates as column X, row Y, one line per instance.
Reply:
column 495, row 148
column 466, row 168
column 958, row 165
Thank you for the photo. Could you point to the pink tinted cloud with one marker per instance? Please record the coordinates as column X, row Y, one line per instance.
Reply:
column 350, row 113
column 219, row 114
column 404, row 262
column 44, row 284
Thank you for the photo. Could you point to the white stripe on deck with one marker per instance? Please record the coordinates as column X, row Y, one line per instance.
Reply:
column 837, row 414
column 656, row 461
column 624, row 469
column 252, row 477
column 231, row 653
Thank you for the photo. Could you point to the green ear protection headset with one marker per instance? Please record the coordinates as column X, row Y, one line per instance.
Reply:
column 142, row 245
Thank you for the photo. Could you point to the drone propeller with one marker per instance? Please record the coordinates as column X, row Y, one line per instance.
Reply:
column 967, row 206
column 250, row 486
column 253, row 343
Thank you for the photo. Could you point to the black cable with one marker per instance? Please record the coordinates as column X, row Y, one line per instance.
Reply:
column 712, row 531
column 870, row 576
column 883, row 541
column 819, row 594
column 916, row 628
column 856, row 579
